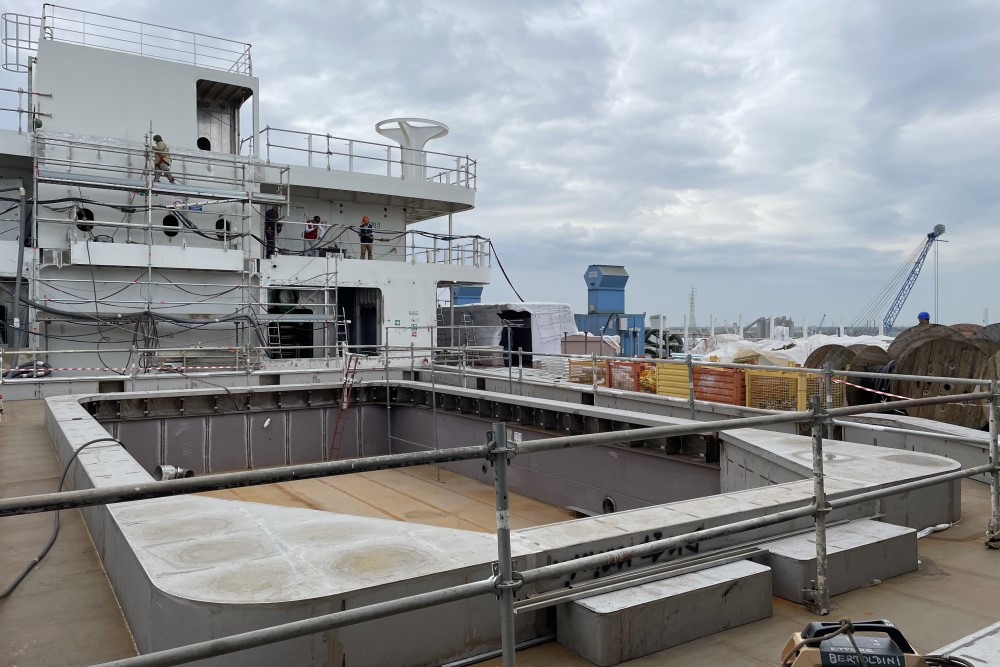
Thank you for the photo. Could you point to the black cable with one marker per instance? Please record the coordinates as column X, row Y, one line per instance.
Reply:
column 55, row 526
column 506, row 277
column 946, row 661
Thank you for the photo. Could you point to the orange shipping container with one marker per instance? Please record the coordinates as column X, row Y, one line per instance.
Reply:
column 719, row 385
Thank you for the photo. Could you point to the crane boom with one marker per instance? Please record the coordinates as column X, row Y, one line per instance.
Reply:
column 911, row 279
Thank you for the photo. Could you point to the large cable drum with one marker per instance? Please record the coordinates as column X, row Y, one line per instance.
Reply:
column 989, row 332
column 838, row 356
column 919, row 334
column 987, row 339
column 967, row 329
column 868, row 359
column 942, row 357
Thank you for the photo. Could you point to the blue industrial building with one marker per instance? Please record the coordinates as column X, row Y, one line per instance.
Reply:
column 606, row 309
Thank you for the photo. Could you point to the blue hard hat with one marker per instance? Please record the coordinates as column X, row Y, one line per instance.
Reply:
column 923, row 315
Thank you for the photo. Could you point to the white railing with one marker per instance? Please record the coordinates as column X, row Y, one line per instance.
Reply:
column 326, row 151
column 64, row 24
column 415, row 247
column 24, row 110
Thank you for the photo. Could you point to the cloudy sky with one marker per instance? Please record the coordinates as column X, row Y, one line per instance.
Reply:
column 780, row 157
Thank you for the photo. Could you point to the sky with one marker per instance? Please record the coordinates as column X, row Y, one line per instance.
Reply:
column 777, row 157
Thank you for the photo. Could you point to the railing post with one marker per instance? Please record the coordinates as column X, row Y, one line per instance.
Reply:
column 500, row 454
column 817, row 599
column 309, row 149
column 388, row 402
column 828, row 374
column 593, row 372
column 690, row 367
column 993, row 530
column 520, row 371
column 509, row 363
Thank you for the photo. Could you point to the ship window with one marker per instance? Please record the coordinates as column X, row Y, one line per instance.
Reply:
column 170, row 221
column 223, row 228
column 86, row 215
column 204, row 143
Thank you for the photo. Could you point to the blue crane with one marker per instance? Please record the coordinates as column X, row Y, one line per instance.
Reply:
column 911, row 279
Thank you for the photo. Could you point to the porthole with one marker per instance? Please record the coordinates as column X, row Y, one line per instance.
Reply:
column 204, row 143
column 86, row 215
column 170, row 220
column 223, row 229
column 608, row 505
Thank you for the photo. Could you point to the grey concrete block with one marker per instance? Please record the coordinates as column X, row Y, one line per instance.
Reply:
column 611, row 628
column 858, row 553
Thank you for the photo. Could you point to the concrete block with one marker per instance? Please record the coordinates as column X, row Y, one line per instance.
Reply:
column 858, row 553
column 618, row 626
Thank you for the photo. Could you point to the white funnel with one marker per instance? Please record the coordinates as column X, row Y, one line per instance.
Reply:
column 412, row 134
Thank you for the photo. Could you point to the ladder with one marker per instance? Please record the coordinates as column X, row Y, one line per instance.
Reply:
column 341, row 327
column 274, row 340
column 350, row 371
column 470, row 332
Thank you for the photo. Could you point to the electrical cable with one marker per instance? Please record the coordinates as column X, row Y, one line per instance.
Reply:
column 103, row 338
column 946, row 661
column 504, row 272
column 55, row 527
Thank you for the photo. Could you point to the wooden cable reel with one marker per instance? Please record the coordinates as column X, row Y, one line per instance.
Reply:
column 838, row 356
column 918, row 335
column 870, row 358
column 945, row 357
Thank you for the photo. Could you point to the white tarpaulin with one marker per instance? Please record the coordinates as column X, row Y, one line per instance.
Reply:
column 548, row 322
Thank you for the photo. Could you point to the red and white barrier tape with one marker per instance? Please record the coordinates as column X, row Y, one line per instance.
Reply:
column 902, row 398
column 874, row 391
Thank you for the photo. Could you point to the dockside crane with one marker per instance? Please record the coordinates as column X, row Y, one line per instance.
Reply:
column 911, row 279
column 900, row 285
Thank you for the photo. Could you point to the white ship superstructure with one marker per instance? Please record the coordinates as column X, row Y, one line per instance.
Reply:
column 118, row 261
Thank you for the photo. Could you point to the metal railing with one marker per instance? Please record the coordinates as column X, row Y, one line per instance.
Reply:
column 500, row 451
column 415, row 247
column 22, row 34
column 25, row 113
column 20, row 40
column 333, row 153
column 121, row 164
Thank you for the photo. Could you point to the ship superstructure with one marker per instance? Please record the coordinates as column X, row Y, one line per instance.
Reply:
column 247, row 246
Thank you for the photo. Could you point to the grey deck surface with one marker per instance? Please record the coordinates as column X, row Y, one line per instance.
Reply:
column 65, row 612
column 952, row 594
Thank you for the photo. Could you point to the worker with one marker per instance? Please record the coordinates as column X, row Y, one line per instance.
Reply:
column 311, row 235
column 366, row 232
column 161, row 159
column 270, row 230
column 923, row 317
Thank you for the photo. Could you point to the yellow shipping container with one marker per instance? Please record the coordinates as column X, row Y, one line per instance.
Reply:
column 671, row 379
column 782, row 390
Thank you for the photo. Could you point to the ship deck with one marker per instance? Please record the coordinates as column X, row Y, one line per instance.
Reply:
column 66, row 614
